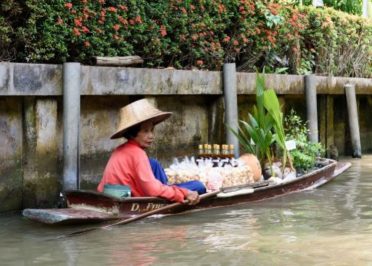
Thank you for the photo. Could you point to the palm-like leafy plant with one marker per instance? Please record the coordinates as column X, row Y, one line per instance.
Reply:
column 256, row 134
column 272, row 105
column 264, row 126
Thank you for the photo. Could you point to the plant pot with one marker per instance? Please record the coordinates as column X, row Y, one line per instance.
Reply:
column 252, row 161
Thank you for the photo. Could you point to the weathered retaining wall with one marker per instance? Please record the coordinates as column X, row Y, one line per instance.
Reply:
column 31, row 124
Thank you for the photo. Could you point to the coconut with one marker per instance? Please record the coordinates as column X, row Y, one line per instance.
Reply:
column 252, row 161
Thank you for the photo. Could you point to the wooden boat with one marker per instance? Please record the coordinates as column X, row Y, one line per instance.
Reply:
column 90, row 206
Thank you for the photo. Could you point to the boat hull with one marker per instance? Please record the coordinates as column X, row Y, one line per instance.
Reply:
column 97, row 207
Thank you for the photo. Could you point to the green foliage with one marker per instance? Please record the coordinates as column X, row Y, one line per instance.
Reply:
column 272, row 106
column 337, row 44
column 305, row 154
column 264, row 127
column 349, row 6
column 257, row 34
column 10, row 18
column 256, row 135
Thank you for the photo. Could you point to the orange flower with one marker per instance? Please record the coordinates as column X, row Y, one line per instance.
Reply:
column 116, row 27
column 78, row 22
column 138, row 19
column 76, row 32
column 163, row 30
column 273, row 8
column 226, row 39
column 85, row 29
column 199, row 62
column 221, row 8
column 242, row 10
column 235, row 42
column 86, row 44
column 123, row 7
column 123, row 20
column 68, row 5
column 271, row 39
column 59, row 21
column 112, row 9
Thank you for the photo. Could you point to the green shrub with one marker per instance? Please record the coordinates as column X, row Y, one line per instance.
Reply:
column 10, row 19
column 164, row 33
column 349, row 6
column 337, row 43
column 305, row 154
column 257, row 34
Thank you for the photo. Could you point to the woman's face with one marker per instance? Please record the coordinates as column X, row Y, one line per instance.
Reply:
column 145, row 136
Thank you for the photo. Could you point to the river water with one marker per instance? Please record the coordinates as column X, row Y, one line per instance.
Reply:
column 331, row 225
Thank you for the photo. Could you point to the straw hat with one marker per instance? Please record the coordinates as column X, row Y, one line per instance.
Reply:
column 136, row 113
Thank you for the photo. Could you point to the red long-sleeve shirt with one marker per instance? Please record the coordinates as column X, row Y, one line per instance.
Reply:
column 129, row 165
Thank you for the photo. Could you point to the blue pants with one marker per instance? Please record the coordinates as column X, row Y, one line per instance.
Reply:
column 160, row 175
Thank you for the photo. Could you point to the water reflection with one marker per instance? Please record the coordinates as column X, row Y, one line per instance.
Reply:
column 327, row 226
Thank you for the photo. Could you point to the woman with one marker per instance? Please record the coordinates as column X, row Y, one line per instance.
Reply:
column 129, row 164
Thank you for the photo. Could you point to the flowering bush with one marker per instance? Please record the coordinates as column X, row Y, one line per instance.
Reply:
column 185, row 34
column 339, row 44
column 166, row 33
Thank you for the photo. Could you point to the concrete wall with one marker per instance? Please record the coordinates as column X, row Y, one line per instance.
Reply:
column 31, row 124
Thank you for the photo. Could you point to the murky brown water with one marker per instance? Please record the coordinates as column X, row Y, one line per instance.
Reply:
column 331, row 225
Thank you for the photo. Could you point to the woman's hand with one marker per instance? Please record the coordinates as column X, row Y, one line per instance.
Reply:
column 193, row 197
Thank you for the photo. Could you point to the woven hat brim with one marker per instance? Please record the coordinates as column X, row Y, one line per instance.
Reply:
column 156, row 118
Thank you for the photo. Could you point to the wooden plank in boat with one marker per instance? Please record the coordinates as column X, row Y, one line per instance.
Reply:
column 67, row 215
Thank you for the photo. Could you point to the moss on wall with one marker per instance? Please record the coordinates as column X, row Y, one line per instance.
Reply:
column 10, row 154
column 11, row 188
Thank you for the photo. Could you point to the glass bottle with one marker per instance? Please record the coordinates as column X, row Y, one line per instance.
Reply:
column 207, row 150
column 216, row 151
column 231, row 151
column 224, row 151
column 200, row 151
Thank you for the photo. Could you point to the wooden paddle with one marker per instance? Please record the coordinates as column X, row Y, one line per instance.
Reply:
column 141, row 216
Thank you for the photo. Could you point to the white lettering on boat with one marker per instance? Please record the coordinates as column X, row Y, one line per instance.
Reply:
column 152, row 206
column 135, row 207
